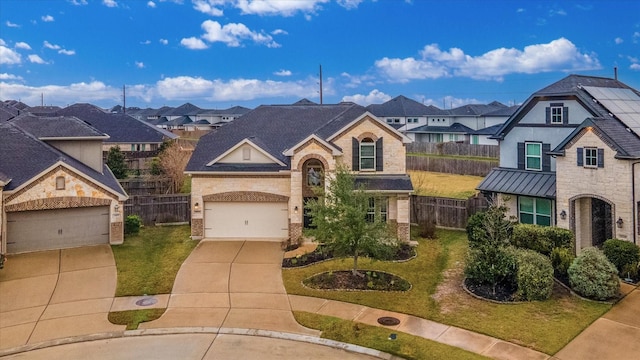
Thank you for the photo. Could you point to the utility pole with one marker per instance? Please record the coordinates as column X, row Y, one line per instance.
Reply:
column 320, row 84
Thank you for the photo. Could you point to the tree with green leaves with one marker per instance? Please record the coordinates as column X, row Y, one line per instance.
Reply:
column 341, row 221
column 117, row 163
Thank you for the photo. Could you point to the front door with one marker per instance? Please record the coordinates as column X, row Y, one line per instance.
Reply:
column 601, row 223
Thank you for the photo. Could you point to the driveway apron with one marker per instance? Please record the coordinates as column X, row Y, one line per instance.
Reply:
column 55, row 294
column 231, row 284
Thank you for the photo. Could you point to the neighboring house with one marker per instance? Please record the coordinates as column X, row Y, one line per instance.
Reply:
column 252, row 177
column 569, row 158
column 55, row 191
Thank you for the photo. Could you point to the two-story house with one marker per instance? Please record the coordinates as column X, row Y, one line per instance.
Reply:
column 252, row 177
column 55, row 190
column 568, row 158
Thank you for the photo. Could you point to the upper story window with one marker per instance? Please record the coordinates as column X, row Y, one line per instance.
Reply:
column 367, row 154
column 590, row 157
column 314, row 173
column 533, row 156
column 557, row 114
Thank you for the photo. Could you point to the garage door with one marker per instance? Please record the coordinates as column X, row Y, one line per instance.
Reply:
column 57, row 229
column 246, row 220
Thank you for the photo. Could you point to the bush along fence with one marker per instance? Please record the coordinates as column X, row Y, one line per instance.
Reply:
column 158, row 209
column 445, row 212
column 455, row 149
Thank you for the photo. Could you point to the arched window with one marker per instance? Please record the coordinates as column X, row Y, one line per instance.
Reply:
column 314, row 171
column 367, row 154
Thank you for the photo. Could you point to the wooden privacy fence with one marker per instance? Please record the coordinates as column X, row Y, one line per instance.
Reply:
column 147, row 186
column 157, row 209
column 445, row 212
column 455, row 149
column 451, row 165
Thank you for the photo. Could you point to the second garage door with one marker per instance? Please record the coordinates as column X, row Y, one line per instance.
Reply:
column 246, row 220
column 57, row 229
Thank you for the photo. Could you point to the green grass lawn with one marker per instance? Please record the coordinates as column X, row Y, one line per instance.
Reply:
column 405, row 345
column 436, row 275
column 148, row 262
column 428, row 183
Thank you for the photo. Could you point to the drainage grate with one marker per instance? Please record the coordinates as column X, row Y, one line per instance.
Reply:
column 148, row 301
column 388, row 321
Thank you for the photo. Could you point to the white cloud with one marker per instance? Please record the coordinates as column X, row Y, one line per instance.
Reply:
column 279, row 7
column 11, row 25
column 618, row 40
column 139, row 64
column 193, row 43
column 233, row 33
column 51, row 46
column 209, row 7
column 374, row 97
column 279, row 32
column 2, row 43
column 78, row 2
column 355, row 81
column 9, row 56
column 449, row 102
column 23, row 45
column 151, row 4
column 146, row 42
column 521, row 10
column 66, row 52
column 110, row 3
column 5, row 76
column 559, row 12
column 282, row 72
column 558, row 55
column 36, row 59
column 635, row 67
column 349, row 4
column 636, row 36
column 164, row 41
column 47, row 18
column 67, row 94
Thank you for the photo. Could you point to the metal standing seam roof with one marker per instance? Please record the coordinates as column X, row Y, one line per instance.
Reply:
column 520, row 182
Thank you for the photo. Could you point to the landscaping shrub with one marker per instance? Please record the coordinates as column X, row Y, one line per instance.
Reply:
column 593, row 276
column 561, row 259
column 542, row 239
column 631, row 272
column 534, row 275
column 427, row 229
column 132, row 224
column 491, row 266
column 474, row 224
column 621, row 253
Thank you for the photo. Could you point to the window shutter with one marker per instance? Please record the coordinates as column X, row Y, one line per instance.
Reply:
column 521, row 156
column 355, row 156
column 580, row 157
column 565, row 115
column 546, row 158
column 600, row 158
column 547, row 115
column 379, row 157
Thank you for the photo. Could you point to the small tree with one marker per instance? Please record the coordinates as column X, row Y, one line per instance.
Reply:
column 117, row 162
column 173, row 160
column 340, row 218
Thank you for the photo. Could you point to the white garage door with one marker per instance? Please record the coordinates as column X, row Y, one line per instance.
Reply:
column 246, row 220
column 57, row 229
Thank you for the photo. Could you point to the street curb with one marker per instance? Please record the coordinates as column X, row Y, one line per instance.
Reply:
column 203, row 330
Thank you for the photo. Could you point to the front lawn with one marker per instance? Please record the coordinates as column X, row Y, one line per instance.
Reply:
column 436, row 276
column 148, row 262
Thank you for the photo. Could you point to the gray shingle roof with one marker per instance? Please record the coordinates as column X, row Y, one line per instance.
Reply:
column 22, row 157
column 455, row 128
column 184, row 110
column 56, row 127
column 520, row 182
column 624, row 142
column 403, row 106
column 491, row 130
column 477, row 109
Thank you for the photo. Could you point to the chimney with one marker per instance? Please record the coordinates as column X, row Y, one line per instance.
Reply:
column 615, row 73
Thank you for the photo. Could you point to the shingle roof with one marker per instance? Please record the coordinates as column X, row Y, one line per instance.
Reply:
column 520, row 182
column 56, row 127
column 22, row 157
column 614, row 133
column 275, row 127
column 477, row 109
column 183, row 110
column 403, row 106
column 384, row 182
column 455, row 128
column 121, row 128
column 491, row 130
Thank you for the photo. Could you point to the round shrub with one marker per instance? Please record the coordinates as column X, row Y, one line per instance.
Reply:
column 561, row 259
column 534, row 275
column 593, row 276
column 621, row 253
column 132, row 224
column 542, row 239
column 490, row 266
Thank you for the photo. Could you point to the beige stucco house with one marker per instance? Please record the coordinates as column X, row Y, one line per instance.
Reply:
column 56, row 192
column 252, row 177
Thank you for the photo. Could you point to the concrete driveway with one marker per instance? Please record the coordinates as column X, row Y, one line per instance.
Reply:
column 231, row 284
column 56, row 294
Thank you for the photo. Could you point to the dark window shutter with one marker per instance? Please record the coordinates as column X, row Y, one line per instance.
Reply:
column 521, row 156
column 379, row 157
column 565, row 115
column 547, row 115
column 546, row 158
column 355, row 157
column 600, row 158
column 580, row 157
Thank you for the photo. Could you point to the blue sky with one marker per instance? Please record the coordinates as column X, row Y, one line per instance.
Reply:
column 221, row 53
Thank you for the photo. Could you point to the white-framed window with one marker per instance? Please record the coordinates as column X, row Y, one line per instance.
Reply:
column 367, row 154
column 533, row 156
column 556, row 114
column 590, row 157
column 377, row 209
column 534, row 211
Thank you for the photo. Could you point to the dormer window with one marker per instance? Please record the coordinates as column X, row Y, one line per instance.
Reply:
column 367, row 154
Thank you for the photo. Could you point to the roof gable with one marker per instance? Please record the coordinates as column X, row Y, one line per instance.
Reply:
column 611, row 131
column 370, row 117
column 246, row 151
column 335, row 151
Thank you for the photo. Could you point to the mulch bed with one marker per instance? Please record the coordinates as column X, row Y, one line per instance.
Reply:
column 503, row 292
column 346, row 280
column 321, row 253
